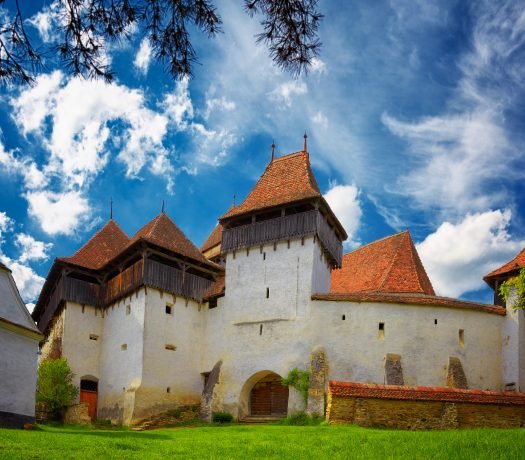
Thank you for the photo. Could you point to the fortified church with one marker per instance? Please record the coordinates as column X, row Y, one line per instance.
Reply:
column 151, row 322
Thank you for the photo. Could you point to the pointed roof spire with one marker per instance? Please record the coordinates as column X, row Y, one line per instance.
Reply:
column 103, row 246
column 305, row 138
column 273, row 150
column 162, row 209
column 233, row 204
column 111, row 208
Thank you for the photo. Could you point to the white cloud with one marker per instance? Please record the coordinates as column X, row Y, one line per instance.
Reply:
column 58, row 213
column 143, row 56
column 177, row 105
column 5, row 224
column 318, row 66
column 457, row 256
column 458, row 155
column 466, row 158
column 344, row 201
column 286, row 91
column 31, row 249
column 29, row 283
column 218, row 104
column 47, row 22
column 320, row 119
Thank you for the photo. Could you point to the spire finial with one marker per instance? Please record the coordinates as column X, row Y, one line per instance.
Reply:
column 111, row 208
column 162, row 210
column 305, row 137
column 234, row 200
column 273, row 149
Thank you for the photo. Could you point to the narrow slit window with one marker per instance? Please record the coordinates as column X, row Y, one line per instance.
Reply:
column 381, row 331
column 170, row 347
column 168, row 390
column 169, row 309
column 264, row 255
column 343, row 317
column 128, row 309
column 461, row 337
column 260, row 329
column 435, row 321
column 267, row 292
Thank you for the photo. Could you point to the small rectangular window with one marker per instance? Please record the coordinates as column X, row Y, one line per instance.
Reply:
column 128, row 309
column 169, row 309
column 260, row 329
column 170, row 347
column 435, row 321
column 267, row 292
column 461, row 337
column 93, row 337
column 381, row 334
column 212, row 303
column 343, row 317
column 124, row 347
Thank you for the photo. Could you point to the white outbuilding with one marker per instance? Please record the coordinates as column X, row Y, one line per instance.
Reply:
column 19, row 338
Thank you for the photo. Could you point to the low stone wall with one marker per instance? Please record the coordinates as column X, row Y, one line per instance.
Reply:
column 77, row 414
column 422, row 408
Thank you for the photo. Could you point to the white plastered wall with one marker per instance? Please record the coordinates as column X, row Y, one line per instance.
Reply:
column 122, row 358
column 513, row 346
column 170, row 377
column 18, row 372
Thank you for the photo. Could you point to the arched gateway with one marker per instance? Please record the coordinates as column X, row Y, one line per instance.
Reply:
column 264, row 395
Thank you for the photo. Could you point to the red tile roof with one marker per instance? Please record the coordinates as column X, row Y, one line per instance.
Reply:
column 410, row 299
column 368, row 390
column 103, row 246
column 214, row 239
column 216, row 289
column 286, row 179
column 162, row 232
column 513, row 266
column 391, row 264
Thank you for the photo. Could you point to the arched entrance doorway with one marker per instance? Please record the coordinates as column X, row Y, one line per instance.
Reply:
column 89, row 394
column 268, row 397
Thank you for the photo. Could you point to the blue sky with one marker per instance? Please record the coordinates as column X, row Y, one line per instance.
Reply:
column 414, row 113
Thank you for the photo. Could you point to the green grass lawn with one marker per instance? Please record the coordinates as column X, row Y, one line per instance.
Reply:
column 245, row 441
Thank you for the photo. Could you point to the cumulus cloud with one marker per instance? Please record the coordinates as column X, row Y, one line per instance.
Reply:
column 58, row 213
column 458, row 255
column 28, row 281
column 47, row 22
column 344, row 201
column 31, row 249
column 143, row 56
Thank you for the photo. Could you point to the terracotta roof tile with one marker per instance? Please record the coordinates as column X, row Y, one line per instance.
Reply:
column 287, row 179
column 391, row 264
column 162, row 232
column 216, row 290
column 368, row 390
column 214, row 239
column 103, row 246
column 409, row 298
column 513, row 266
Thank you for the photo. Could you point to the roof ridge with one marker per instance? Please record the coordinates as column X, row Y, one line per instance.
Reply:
column 288, row 155
column 375, row 241
column 415, row 253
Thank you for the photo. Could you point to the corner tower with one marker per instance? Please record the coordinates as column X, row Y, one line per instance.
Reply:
column 281, row 242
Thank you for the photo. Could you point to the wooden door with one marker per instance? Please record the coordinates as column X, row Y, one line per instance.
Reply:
column 90, row 397
column 268, row 397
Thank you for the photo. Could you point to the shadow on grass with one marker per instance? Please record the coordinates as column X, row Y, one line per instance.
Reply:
column 111, row 434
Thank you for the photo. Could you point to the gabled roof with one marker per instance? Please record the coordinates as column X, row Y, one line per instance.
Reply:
column 162, row 232
column 103, row 246
column 513, row 266
column 216, row 289
column 391, row 264
column 286, row 179
column 12, row 308
column 214, row 239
